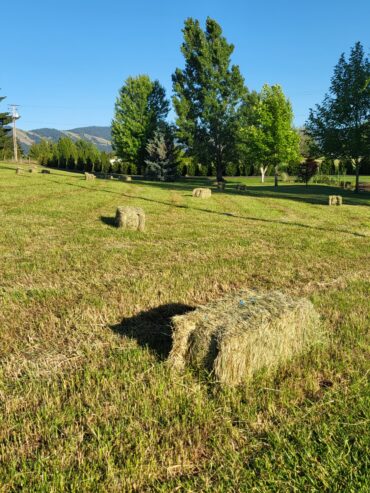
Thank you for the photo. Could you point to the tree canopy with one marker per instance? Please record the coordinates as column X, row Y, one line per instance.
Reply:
column 140, row 108
column 340, row 126
column 5, row 140
column 207, row 95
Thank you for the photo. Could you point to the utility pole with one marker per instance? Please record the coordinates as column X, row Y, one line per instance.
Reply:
column 15, row 116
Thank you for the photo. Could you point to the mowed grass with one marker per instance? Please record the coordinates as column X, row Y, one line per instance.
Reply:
column 87, row 401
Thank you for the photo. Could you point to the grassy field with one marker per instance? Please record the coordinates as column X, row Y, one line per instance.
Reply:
column 87, row 402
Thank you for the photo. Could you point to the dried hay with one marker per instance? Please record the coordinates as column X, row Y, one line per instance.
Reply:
column 335, row 200
column 125, row 178
column 32, row 170
column 130, row 218
column 242, row 188
column 202, row 193
column 89, row 176
column 235, row 337
column 19, row 171
column 220, row 185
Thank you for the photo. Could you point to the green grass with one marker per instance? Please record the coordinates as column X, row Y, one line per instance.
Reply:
column 87, row 402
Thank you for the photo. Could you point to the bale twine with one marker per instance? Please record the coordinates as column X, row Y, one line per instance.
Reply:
column 335, row 200
column 89, row 176
column 202, row 193
column 235, row 337
column 130, row 218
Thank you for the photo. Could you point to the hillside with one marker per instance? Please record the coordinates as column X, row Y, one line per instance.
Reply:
column 99, row 136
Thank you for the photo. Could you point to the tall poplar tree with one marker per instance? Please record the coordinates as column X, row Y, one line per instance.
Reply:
column 340, row 126
column 141, row 107
column 207, row 95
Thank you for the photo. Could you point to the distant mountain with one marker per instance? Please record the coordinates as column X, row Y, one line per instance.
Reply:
column 99, row 136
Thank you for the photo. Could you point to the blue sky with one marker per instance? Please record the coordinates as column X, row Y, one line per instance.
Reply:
column 64, row 61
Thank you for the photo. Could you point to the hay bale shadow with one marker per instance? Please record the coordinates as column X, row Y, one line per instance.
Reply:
column 109, row 220
column 152, row 328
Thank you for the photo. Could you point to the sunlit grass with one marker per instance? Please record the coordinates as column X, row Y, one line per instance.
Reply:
column 88, row 404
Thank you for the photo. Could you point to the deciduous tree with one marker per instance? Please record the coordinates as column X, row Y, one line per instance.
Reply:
column 140, row 108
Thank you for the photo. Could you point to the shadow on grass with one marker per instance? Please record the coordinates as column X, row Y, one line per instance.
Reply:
column 152, row 328
column 254, row 193
column 109, row 220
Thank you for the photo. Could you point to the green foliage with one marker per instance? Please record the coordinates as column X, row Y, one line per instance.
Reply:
column 307, row 170
column 340, row 126
column 140, row 108
column 207, row 96
column 162, row 162
column 5, row 139
column 270, row 136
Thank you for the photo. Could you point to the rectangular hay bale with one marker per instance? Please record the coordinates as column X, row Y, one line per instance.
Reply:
column 235, row 337
column 202, row 193
column 130, row 218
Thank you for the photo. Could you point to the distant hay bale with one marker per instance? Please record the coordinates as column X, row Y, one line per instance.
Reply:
column 242, row 188
column 335, row 200
column 220, row 185
column 130, row 218
column 89, row 176
column 32, row 170
column 235, row 337
column 125, row 178
column 45, row 171
column 19, row 171
column 202, row 193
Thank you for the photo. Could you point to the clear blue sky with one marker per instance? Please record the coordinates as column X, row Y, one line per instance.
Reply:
column 64, row 61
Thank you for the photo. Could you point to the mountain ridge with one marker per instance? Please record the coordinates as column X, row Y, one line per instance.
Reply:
column 97, row 135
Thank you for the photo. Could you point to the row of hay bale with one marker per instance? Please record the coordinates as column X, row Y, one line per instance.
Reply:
column 33, row 169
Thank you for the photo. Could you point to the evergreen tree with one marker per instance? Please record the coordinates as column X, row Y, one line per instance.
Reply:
column 340, row 126
column 163, row 156
column 208, row 93
column 271, row 137
column 140, row 108
column 5, row 139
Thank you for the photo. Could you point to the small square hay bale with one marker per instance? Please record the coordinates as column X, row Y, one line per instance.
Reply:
column 130, row 218
column 220, row 185
column 202, row 193
column 125, row 178
column 242, row 333
column 242, row 188
column 335, row 200
column 32, row 170
column 45, row 171
column 19, row 171
column 89, row 176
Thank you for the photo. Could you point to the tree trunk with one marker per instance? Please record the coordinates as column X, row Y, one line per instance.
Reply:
column 276, row 177
column 263, row 171
column 357, row 176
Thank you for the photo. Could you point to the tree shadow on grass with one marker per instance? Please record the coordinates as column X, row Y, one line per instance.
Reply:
column 231, row 214
column 152, row 328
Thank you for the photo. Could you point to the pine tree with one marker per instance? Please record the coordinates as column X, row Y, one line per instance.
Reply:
column 208, row 93
column 140, row 108
column 340, row 126
column 163, row 156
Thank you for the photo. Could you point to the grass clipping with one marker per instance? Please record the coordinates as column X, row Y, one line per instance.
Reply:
column 235, row 337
